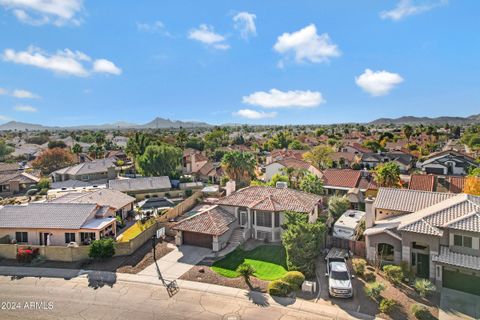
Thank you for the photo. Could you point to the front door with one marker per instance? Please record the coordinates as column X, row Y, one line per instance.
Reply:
column 43, row 238
column 423, row 265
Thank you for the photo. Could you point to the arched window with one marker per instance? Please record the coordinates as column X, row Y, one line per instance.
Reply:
column 385, row 252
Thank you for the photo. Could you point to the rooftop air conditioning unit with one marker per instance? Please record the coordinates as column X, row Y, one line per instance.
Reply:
column 281, row 185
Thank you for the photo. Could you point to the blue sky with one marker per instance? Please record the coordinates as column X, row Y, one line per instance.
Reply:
column 69, row 62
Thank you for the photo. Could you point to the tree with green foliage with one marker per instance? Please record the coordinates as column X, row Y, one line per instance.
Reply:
column 373, row 145
column 311, row 183
column 297, row 145
column 407, row 131
column 137, row 145
column 319, row 156
column 77, row 148
column 162, row 160
column 5, row 150
column 216, row 138
column 181, row 138
column 277, row 177
column 43, row 183
column 195, row 143
column 239, row 167
column 388, row 175
column 337, row 206
column 302, row 241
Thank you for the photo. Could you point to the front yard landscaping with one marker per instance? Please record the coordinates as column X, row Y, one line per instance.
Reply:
column 135, row 230
column 269, row 262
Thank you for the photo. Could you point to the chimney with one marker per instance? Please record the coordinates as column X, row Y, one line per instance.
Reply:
column 230, row 187
column 369, row 212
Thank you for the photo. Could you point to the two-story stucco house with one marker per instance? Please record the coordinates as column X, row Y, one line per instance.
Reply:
column 436, row 234
column 253, row 212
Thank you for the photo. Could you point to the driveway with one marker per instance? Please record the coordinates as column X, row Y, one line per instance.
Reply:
column 173, row 265
column 456, row 305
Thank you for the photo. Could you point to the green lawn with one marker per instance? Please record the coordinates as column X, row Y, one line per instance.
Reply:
column 268, row 261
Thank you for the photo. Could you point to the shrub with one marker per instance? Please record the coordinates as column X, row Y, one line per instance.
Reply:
column 387, row 306
column 44, row 183
column 188, row 192
column 102, row 249
column 421, row 312
column 246, row 271
column 26, row 254
column 374, row 290
column 294, row 279
column 369, row 276
column 279, row 288
column 394, row 273
column 359, row 266
column 424, row 287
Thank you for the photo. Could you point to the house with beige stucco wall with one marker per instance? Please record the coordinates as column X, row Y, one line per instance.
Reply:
column 437, row 235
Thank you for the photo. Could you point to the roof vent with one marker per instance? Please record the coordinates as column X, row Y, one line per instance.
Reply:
column 281, row 185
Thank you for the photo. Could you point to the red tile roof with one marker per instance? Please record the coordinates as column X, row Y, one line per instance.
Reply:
column 344, row 178
column 294, row 163
column 214, row 221
column 422, row 182
column 272, row 199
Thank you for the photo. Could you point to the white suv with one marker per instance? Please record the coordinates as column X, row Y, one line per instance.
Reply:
column 339, row 279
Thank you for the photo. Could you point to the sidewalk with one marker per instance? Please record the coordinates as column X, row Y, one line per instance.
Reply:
column 256, row 298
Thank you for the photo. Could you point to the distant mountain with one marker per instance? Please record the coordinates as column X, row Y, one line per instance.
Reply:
column 157, row 123
column 22, row 126
column 427, row 120
column 167, row 123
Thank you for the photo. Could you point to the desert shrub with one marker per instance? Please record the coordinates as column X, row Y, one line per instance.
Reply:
column 387, row 306
column 393, row 273
column 294, row 279
column 369, row 276
column 421, row 312
column 424, row 287
column 359, row 266
column 279, row 288
column 26, row 254
column 246, row 271
column 102, row 249
column 374, row 290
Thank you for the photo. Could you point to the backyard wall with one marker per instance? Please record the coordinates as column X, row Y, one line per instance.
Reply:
column 181, row 208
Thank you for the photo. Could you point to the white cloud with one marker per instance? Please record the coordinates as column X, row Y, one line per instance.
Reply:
column 40, row 12
column 3, row 91
column 25, row 108
column 106, row 66
column 245, row 23
column 280, row 99
column 378, row 83
column 24, row 94
column 68, row 62
column 155, row 27
column 307, row 45
column 5, row 118
column 254, row 115
column 407, row 8
column 207, row 35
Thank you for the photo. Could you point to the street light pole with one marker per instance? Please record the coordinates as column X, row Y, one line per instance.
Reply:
column 153, row 247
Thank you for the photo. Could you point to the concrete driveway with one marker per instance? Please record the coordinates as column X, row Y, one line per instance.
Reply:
column 456, row 305
column 173, row 265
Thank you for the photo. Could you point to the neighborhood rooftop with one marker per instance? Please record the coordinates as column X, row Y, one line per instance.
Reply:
column 138, row 184
column 46, row 215
column 102, row 197
column 272, row 199
column 213, row 221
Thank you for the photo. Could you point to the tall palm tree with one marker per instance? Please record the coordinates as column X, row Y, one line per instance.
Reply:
column 239, row 166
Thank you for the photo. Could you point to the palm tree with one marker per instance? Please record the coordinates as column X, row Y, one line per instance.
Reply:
column 388, row 175
column 239, row 166
column 246, row 271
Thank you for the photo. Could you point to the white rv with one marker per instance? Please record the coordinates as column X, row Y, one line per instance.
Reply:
column 346, row 227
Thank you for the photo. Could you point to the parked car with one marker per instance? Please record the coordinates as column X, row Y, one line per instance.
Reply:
column 339, row 278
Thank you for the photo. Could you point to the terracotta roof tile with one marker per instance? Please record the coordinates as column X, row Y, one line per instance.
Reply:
column 214, row 221
column 344, row 178
column 423, row 182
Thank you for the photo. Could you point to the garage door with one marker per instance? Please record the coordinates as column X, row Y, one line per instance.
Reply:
column 460, row 281
column 434, row 170
column 197, row 239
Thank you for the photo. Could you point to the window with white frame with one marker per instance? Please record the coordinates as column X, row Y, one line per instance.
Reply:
column 264, row 219
column 462, row 241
